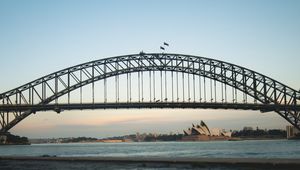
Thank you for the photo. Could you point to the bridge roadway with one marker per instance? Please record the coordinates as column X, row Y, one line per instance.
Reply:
column 139, row 105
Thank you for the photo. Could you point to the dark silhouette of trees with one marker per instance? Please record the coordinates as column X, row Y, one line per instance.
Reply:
column 250, row 133
column 16, row 140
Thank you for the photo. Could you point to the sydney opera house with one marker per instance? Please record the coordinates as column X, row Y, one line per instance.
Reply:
column 202, row 133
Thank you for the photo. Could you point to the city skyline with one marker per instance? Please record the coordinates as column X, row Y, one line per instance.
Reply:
column 39, row 38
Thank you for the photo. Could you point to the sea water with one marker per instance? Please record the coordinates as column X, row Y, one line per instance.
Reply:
column 209, row 149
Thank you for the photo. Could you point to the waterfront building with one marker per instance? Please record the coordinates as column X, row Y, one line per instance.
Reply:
column 201, row 132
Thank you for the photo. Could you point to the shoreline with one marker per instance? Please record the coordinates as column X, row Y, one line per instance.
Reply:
column 232, row 139
column 177, row 162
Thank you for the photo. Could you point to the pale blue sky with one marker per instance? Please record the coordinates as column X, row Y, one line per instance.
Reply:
column 40, row 37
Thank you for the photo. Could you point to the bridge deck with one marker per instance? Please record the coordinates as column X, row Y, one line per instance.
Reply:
column 140, row 105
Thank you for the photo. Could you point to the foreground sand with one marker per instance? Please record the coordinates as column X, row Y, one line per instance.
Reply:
column 76, row 163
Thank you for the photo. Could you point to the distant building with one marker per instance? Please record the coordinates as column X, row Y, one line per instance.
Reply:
column 202, row 133
column 292, row 132
column 247, row 128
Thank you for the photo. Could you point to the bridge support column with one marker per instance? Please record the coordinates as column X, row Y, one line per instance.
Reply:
column 3, row 137
column 292, row 132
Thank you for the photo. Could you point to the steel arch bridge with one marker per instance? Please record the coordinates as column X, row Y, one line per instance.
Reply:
column 162, row 81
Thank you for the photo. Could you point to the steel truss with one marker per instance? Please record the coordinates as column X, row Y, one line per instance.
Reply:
column 44, row 92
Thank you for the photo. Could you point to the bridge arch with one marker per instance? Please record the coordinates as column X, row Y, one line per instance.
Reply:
column 283, row 99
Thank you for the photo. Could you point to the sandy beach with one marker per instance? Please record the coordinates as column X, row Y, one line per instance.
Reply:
column 76, row 163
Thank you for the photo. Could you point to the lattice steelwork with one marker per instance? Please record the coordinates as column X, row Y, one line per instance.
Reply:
column 151, row 81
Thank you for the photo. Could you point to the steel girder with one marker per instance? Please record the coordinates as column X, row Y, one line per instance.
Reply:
column 121, row 105
column 51, row 87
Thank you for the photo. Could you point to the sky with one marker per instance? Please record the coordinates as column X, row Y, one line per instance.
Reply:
column 41, row 37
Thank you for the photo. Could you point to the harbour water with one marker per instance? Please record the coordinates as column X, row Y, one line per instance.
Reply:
column 212, row 149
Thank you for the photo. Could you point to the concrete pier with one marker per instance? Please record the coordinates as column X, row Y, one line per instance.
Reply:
column 49, row 162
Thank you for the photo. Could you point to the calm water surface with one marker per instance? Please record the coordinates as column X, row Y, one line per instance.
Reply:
column 211, row 149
